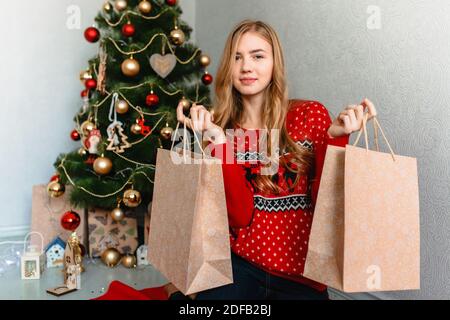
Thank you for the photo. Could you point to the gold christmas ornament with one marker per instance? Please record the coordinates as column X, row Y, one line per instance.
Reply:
column 136, row 128
column 205, row 60
column 102, row 165
column 87, row 127
column 82, row 152
column 117, row 214
column 120, row 5
column 85, row 75
column 166, row 132
column 186, row 103
column 145, row 7
column 55, row 189
column 129, row 261
column 132, row 198
column 107, row 7
column 111, row 257
column 122, row 107
column 177, row 36
column 130, row 67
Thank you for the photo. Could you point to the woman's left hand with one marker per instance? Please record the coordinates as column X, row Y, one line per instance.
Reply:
column 351, row 119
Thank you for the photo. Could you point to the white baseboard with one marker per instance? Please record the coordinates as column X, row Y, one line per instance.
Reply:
column 14, row 231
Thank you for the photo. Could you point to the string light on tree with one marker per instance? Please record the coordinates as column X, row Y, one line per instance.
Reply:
column 92, row 34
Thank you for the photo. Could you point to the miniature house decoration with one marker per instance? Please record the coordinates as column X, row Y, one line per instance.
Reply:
column 141, row 254
column 32, row 260
column 55, row 253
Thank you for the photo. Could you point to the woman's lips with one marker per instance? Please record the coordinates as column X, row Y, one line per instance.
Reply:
column 248, row 81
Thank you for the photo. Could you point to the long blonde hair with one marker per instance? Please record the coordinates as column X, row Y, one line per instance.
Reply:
column 228, row 107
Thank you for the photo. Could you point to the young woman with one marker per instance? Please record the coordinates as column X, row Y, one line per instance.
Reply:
column 270, row 216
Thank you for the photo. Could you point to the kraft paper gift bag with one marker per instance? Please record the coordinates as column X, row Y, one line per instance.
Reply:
column 147, row 223
column 106, row 233
column 365, row 234
column 189, row 233
column 46, row 213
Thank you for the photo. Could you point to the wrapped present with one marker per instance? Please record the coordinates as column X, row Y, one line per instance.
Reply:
column 46, row 215
column 106, row 233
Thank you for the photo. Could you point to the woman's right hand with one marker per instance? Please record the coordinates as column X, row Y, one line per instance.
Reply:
column 201, row 120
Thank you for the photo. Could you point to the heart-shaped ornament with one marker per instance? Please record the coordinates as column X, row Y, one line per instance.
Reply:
column 163, row 65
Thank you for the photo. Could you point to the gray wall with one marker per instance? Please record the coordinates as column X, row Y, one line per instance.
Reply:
column 335, row 56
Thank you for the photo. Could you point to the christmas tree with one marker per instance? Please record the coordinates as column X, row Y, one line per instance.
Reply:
column 144, row 68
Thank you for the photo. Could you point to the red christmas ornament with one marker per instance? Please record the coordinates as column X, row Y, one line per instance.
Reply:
column 55, row 177
column 90, row 84
column 75, row 135
column 92, row 34
column 70, row 220
column 152, row 100
column 207, row 79
column 128, row 30
column 84, row 93
column 171, row 2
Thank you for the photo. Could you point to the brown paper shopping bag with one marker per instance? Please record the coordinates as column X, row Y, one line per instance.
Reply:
column 46, row 213
column 189, row 235
column 365, row 234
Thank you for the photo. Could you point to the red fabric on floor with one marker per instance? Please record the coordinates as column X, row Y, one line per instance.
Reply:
column 120, row 291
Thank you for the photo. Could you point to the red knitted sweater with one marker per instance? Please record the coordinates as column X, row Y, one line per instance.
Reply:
column 272, row 231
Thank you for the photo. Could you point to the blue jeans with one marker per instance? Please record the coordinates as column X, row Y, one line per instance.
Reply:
column 252, row 283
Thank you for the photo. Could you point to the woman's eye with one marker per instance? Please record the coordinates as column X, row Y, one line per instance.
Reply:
column 259, row 57
column 237, row 57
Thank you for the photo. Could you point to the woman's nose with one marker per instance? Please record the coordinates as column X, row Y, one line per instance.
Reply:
column 246, row 65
